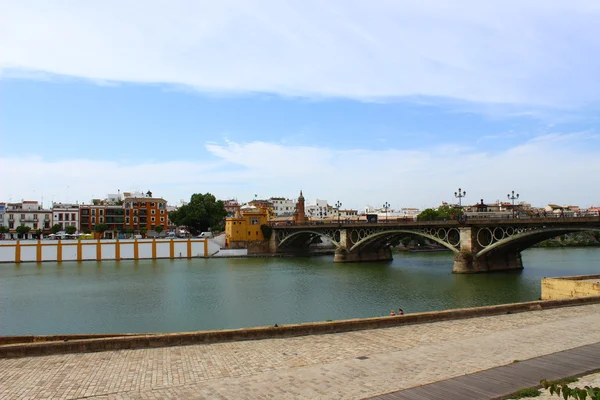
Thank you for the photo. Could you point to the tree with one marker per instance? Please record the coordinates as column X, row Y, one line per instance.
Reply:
column 4, row 229
column 449, row 212
column 202, row 212
column 267, row 231
column 100, row 228
column 159, row 229
column 427, row 215
column 70, row 229
column 143, row 231
column 22, row 230
column 56, row 228
column 442, row 212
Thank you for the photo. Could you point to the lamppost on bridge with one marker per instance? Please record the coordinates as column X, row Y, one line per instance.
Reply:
column 386, row 205
column 513, row 197
column 459, row 195
column 338, row 205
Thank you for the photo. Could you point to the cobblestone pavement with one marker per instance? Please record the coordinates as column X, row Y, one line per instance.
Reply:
column 315, row 367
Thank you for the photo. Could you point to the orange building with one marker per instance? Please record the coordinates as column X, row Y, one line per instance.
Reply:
column 245, row 227
column 145, row 212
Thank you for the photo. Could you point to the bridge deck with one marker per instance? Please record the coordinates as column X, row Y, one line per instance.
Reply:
column 553, row 221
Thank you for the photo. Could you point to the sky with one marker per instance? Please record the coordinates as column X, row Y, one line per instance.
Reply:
column 361, row 102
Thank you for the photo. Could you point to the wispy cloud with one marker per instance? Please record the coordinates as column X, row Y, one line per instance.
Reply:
column 551, row 168
column 542, row 53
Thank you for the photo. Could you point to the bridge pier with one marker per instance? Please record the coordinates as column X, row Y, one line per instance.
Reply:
column 466, row 263
column 375, row 252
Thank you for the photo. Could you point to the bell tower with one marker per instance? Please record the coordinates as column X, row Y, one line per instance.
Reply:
column 299, row 215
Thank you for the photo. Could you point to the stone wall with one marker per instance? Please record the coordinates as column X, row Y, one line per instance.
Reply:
column 101, row 250
column 569, row 287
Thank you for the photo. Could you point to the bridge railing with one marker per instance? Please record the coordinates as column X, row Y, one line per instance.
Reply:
column 537, row 217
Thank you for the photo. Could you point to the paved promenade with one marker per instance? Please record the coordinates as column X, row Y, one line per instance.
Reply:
column 350, row 365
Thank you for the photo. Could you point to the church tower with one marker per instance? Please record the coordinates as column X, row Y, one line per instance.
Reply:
column 299, row 215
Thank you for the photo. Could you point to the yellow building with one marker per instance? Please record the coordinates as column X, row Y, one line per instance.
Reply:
column 245, row 227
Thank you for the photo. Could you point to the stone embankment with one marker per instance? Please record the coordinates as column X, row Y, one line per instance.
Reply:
column 45, row 345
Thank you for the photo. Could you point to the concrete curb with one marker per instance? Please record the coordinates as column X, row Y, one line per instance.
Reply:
column 47, row 345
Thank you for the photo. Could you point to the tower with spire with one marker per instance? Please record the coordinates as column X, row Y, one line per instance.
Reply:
column 299, row 214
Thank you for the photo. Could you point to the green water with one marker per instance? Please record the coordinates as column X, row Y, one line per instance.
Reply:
column 188, row 295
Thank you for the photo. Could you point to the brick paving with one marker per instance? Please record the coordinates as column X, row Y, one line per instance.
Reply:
column 351, row 365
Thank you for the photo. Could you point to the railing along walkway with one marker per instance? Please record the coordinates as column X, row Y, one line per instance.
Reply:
column 499, row 382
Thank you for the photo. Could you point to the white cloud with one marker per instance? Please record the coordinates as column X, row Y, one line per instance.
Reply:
column 534, row 52
column 553, row 168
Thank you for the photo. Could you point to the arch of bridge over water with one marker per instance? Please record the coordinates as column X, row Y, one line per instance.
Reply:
column 478, row 245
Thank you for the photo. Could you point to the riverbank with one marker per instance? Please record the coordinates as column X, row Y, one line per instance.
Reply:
column 58, row 344
column 351, row 365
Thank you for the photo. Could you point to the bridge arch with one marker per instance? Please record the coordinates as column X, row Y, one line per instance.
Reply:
column 382, row 236
column 333, row 236
column 527, row 239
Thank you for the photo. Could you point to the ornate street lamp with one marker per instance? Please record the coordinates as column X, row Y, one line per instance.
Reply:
column 338, row 205
column 459, row 195
column 513, row 197
column 386, row 205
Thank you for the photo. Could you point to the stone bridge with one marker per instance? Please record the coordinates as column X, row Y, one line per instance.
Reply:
column 480, row 245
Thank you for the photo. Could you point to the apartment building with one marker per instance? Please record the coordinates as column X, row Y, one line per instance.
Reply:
column 29, row 214
column 142, row 211
column 65, row 215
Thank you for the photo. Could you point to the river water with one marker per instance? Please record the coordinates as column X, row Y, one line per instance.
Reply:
column 199, row 294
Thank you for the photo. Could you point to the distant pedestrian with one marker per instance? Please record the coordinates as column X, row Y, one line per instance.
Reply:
column 400, row 311
column 393, row 313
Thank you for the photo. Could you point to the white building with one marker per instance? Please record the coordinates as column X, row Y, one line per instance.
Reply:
column 65, row 215
column 410, row 213
column 283, row 207
column 29, row 214
column 318, row 209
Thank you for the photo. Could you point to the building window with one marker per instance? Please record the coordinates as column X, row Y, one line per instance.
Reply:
column 162, row 219
column 152, row 204
column 162, row 211
column 93, row 220
column 101, row 219
column 127, row 220
column 101, row 212
column 94, row 212
column 152, row 211
column 73, row 217
column 152, row 219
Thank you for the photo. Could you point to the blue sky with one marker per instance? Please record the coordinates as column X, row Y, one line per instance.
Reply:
column 362, row 102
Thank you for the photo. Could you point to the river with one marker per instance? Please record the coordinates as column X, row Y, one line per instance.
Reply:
column 200, row 294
